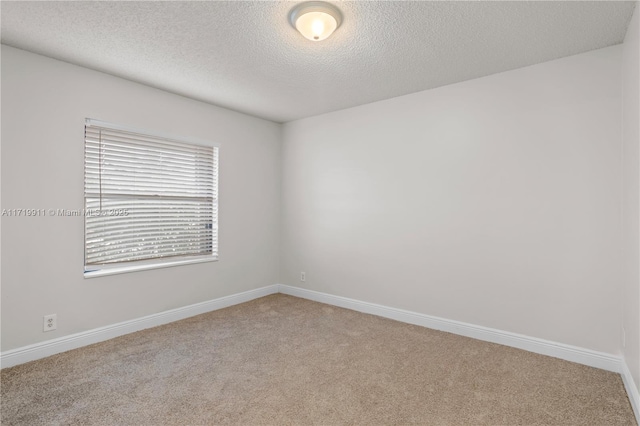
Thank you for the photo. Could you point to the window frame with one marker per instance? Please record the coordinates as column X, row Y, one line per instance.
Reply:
column 91, row 271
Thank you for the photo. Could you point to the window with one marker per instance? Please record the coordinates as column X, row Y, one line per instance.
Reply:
column 149, row 201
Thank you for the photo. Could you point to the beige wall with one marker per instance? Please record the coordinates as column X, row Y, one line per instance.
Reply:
column 631, row 200
column 44, row 105
column 494, row 201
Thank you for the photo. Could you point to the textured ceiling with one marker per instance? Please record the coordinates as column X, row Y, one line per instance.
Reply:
column 245, row 55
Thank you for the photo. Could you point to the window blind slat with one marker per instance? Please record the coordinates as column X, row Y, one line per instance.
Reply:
column 168, row 190
column 115, row 155
column 135, row 140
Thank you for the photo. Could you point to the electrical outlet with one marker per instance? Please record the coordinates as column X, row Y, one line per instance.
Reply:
column 50, row 322
column 303, row 277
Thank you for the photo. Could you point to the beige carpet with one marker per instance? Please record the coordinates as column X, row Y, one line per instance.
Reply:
column 281, row 360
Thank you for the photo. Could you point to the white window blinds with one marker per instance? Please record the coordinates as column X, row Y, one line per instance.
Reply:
column 147, row 198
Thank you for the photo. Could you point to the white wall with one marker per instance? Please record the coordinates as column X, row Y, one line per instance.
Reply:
column 44, row 105
column 495, row 201
column 631, row 206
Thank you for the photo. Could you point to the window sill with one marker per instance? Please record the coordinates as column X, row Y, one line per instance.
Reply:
column 144, row 267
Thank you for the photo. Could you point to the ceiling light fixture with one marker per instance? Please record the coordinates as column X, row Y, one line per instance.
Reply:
column 316, row 20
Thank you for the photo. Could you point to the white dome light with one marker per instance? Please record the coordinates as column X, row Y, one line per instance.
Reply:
column 316, row 20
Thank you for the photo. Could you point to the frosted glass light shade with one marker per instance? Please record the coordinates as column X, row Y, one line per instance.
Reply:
column 315, row 20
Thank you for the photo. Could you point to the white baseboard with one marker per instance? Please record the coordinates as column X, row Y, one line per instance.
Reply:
column 632, row 390
column 545, row 347
column 73, row 341
column 558, row 350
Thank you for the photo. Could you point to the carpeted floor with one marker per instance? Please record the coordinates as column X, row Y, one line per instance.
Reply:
column 281, row 360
